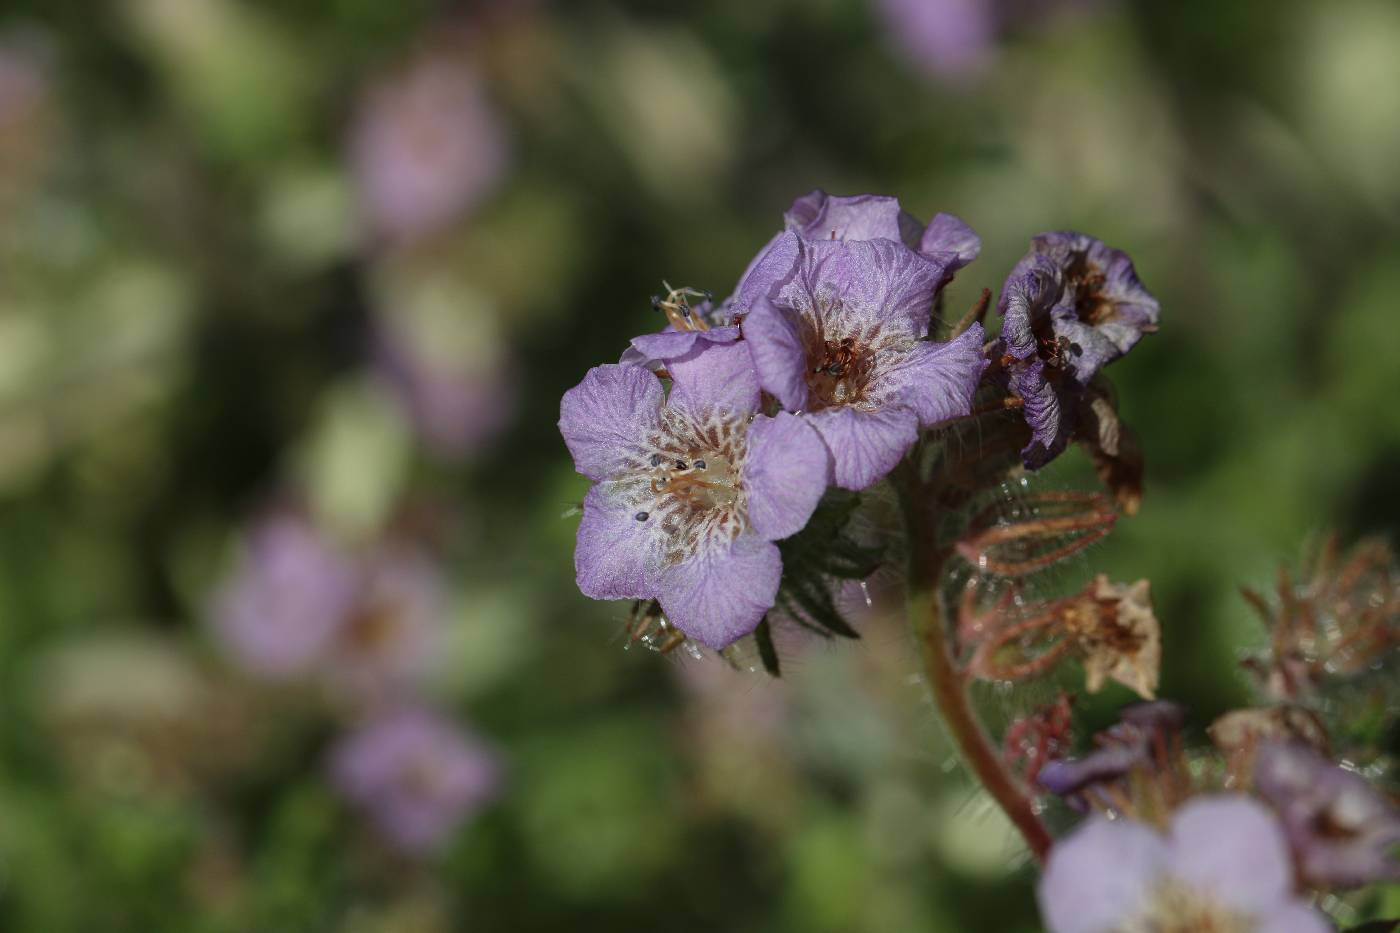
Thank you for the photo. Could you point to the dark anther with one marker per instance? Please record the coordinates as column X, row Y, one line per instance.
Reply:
column 656, row 460
column 836, row 369
column 699, row 464
column 642, row 516
column 656, row 302
column 680, row 464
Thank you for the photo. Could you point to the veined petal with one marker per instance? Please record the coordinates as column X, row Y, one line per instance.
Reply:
column 1098, row 878
column 1031, row 290
column 616, row 556
column 821, row 216
column 721, row 594
column 871, row 284
column 778, row 355
column 666, row 345
column 714, row 376
column 938, row 380
column 1047, row 417
column 946, row 234
column 773, row 267
column 607, row 416
column 1090, row 347
column 865, row 445
column 787, row 472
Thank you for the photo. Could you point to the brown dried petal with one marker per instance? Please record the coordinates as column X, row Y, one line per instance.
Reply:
column 1119, row 636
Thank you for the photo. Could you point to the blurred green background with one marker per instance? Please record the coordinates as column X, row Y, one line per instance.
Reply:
column 340, row 259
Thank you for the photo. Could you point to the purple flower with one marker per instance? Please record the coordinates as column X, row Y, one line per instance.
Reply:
column 946, row 38
column 417, row 775
column 691, row 490
column 1342, row 831
column 388, row 637
column 1069, row 308
column 839, row 338
column 1090, row 311
column 1223, row 865
column 426, row 146
column 281, row 610
column 817, row 215
column 958, row 39
column 455, row 410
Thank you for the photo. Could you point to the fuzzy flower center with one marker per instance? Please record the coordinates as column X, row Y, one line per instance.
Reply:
column 699, row 480
column 1176, row 908
column 686, row 484
column 841, row 357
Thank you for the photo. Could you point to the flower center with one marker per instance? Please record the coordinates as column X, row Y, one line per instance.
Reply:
column 1087, row 281
column 687, row 485
column 1176, row 908
column 702, row 481
column 372, row 628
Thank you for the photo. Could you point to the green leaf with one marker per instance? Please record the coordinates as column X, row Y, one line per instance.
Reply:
column 817, row 558
column 763, row 635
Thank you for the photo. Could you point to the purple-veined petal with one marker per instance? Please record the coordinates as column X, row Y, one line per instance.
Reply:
column 872, row 284
column 786, row 474
column 661, row 347
column 607, row 415
column 1031, row 290
column 616, row 555
column 778, row 355
column 1048, row 419
column 865, row 445
column 821, row 216
column 772, row 269
column 714, row 376
column 950, row 235
column 1090, row 348
column 721, row 594
column 938, row 380
column 1098, row 878
column 1233, row 847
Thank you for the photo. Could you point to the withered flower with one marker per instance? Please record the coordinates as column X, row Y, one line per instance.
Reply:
column 1118, row 635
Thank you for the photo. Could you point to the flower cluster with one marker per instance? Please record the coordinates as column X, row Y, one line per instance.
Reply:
column 731, row 450
column 716, row 438
column 300, row 608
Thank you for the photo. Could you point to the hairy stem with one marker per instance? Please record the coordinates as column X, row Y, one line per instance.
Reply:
column 924, row 605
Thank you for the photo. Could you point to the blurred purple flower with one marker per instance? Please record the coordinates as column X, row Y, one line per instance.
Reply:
column 388, row 639
column 454, row 410
column 1145, row 731
column 690, row 491
column 944, row 38
column 955, row 40
column 1343, row 832
column 417, row 775
column 838, row 337
column 426, row 146
column 1223, row 865
column 285, row 603
column 24, row 86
